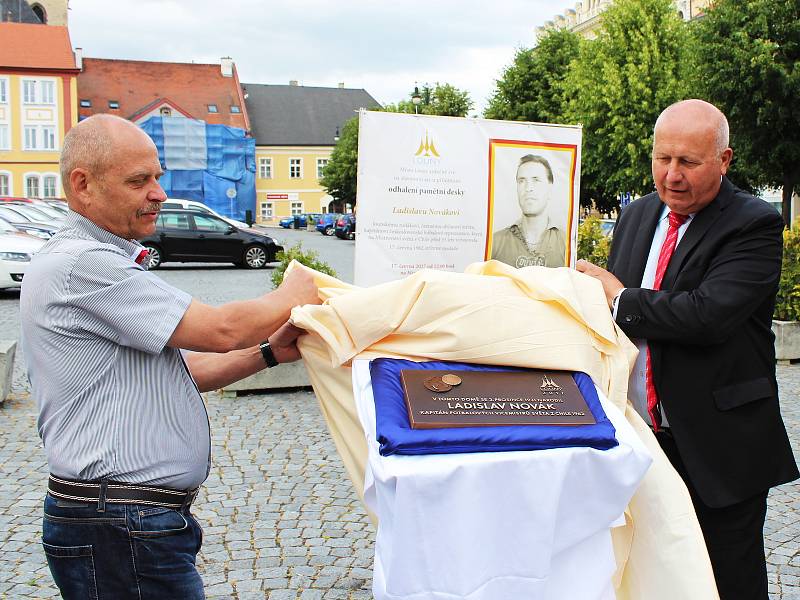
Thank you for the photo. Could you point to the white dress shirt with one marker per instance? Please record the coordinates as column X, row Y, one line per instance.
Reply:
column 637, row 386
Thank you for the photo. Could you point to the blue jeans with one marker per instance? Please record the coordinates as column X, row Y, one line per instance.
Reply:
column 131, row 551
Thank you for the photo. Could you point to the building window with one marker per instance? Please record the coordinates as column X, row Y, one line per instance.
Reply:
column 267, row 210
column 321, row 162
column 39, row 137
column 30, row 138
column 49, row 185
column 295, row 168
column 297, row 208
column 265, row 168
column 235, row 110
column 40, row 13
column 212, row 108
column 3, row 91
column 5, row 184
column 165, row 111
column 85, row 103
column 48, row 138
column 48, row 92
column 32, row 186
column 4, row 138
column 29, row 91
column 113, row 104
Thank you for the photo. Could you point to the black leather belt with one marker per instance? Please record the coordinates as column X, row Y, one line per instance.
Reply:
column 119, row 493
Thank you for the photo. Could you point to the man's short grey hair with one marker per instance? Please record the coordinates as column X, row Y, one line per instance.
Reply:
column 722, row 137
column 535, row 158
column 88, row 145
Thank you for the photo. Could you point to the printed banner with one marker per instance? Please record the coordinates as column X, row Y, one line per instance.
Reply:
column 444, row 192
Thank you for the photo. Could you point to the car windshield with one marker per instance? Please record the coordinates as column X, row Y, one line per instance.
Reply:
column 6, row 227
column 12, row 215
column 49, row 212
column 34, row 214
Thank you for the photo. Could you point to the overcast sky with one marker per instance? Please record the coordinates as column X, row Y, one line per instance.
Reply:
column 383, row 46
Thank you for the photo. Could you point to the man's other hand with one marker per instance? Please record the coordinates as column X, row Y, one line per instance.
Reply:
column 284, row 343
column 611, row 285
column 298, row 288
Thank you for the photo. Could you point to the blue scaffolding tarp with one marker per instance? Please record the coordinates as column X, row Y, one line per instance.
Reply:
column 213, row 164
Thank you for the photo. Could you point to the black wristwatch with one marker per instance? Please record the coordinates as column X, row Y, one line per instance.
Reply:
column 267, row 355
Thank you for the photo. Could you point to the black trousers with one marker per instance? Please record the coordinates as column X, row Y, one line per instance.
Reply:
column 734, row 536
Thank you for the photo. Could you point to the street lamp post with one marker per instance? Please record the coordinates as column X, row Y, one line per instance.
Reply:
column 416, row 98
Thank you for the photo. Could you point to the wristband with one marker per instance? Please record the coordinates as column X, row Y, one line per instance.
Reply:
column 267, row 355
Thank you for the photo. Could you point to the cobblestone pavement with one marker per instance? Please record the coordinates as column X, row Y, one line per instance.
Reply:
column 280, row 518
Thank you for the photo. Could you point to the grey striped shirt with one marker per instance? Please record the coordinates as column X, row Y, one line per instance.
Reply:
column 114, row 401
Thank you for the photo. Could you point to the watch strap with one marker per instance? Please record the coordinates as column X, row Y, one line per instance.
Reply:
column 268, row 355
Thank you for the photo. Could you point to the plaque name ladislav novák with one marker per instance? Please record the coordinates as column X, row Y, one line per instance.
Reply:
column 437, row 399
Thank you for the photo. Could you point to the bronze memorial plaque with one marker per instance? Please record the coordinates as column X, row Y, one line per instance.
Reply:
column 481, row 398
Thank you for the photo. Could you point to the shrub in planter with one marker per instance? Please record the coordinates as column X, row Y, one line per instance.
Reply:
column 309, row 258
column 787, row 305
column 592, row 244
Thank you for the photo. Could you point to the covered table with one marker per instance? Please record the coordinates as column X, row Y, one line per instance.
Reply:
column 492, row 525
column 497, row 315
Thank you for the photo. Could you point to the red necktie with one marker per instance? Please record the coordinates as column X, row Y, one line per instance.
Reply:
column 667, row 248
column 142, row 255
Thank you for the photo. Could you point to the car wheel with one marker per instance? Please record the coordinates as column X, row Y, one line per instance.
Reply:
column 255, row 257
column 154, row 257
column 351, row 235
column 329, row 231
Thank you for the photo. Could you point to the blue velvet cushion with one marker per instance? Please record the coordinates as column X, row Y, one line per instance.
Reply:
column 395, row 435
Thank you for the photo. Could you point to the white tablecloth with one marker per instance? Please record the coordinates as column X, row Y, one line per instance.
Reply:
column 497, row 525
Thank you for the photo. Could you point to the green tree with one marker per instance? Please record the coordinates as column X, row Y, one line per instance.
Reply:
column 532, row 87
column 339, row 175
column 443, row 99
column 617, row 87
column 747, row 57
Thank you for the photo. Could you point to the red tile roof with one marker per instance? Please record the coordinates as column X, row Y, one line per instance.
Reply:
column 137, row 84
column 28, row 46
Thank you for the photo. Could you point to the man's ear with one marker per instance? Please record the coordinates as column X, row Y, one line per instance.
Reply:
column 727, row 156
column 79, row 181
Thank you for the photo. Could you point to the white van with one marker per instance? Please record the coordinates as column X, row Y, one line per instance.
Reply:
column 192, row 205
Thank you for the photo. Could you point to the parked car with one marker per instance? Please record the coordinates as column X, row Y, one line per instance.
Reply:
column 346, row 227
column 35, row 213
column 39, row 206
column 193, row 205
column 298, row 221
column 327, row 223
column 16, row 250
column 194, row 236
column 44, row 232
column 8, row 213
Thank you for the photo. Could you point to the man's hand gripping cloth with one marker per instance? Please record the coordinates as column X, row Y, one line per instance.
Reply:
column 494, row 314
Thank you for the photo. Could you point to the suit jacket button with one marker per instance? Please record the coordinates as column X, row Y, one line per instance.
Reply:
column 628, row 318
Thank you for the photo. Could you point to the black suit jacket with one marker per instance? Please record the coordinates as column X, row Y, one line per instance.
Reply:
column 711, row 345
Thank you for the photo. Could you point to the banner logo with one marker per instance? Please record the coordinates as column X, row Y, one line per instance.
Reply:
column 426, row 147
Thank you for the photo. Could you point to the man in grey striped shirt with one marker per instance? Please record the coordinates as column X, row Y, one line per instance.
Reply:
column 117, row 359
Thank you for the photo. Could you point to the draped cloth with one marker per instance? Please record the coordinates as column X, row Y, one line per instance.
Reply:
column 493, row 314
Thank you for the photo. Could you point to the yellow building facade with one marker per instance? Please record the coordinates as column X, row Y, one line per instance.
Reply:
column 288, row 181
column 296, row 129
column 586, row 16
column 38, row 105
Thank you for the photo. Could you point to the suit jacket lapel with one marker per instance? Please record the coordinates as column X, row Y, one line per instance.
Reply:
column 694, row 234
column 643, row 238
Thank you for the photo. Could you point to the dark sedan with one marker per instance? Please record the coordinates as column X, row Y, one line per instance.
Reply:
column 346, row 227
column 193, row 236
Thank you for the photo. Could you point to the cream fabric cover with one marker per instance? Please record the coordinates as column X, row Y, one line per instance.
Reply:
column 495, row 314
